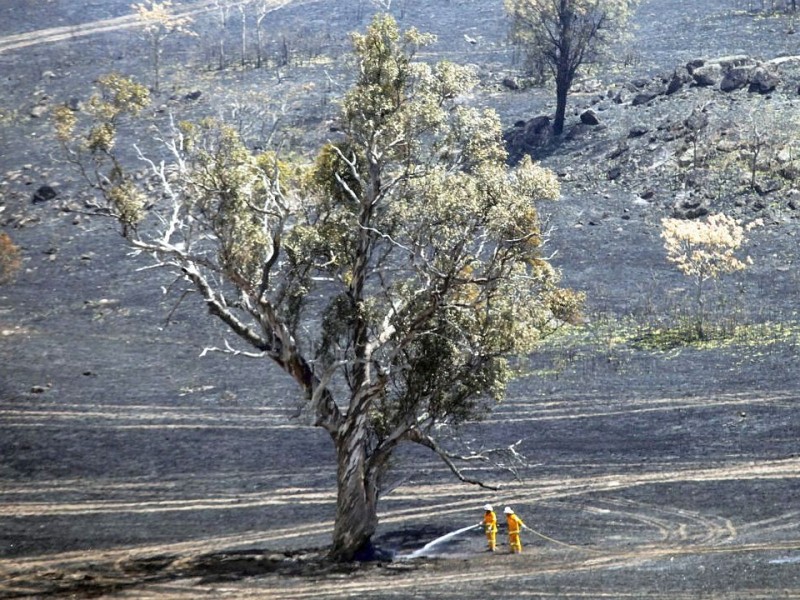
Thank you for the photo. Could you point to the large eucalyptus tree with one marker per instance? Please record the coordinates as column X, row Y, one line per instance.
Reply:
column 392, row 278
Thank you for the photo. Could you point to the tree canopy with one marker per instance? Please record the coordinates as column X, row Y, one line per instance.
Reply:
column 565, row 35
column 393, row 277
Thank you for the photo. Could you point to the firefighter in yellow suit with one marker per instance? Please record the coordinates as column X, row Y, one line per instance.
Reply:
column 514, row 525
column 490, row 527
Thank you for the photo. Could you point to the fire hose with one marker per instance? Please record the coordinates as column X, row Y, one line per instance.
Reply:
column 554, row 541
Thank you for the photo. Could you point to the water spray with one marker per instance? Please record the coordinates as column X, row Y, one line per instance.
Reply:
column 440, row 540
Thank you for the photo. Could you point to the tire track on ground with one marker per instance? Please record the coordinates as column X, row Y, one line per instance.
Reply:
column 130, row 21
column 683, row 533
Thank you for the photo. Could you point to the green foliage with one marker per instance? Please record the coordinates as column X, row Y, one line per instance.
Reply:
column 578, row 31
column 230, row 187
column 684, row 334
column 451, row 237
column 564, row 36
column 101, row 138
column 395, row 277
column 128, row 203
column 703, row 250
column 158, row 21
column 65, row 121
column 117, row 98
column 118, row 95
column 420, row 248
column 333, row 178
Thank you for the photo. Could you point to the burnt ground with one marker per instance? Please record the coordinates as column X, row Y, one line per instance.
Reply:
column 129, row 467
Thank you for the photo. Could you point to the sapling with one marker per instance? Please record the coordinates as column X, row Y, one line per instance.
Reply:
column 705, row 250
column 158, row 22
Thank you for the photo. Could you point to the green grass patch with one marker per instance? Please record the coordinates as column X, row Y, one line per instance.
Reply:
column 716, row 335
column 607, row 334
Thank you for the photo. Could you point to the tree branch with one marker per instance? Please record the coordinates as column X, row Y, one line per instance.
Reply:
column 416, row 436
column 228, row 349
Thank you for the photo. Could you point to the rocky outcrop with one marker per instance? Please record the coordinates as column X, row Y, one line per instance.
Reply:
column 727, row 74
column 680, row 77
column 691, row 156
column 763, row 80
column 707, row 75
column 689, row 207
column 735, row 79
column 734, row 73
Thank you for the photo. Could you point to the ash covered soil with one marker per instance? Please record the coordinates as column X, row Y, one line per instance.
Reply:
column 129, row 467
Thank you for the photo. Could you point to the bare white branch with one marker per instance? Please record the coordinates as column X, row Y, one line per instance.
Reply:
column 228, row 349
column 415, row 435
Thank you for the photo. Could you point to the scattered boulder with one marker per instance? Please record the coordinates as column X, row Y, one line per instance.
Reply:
column 735, row 60
column 589, row 117
column 623, row 95
column 784, row 155
column 38, row 111
column 767, row 186
column 577, row 131
column 790, row 171
column 665, row 152
column 687, row 158
column 528, row 136
column 793, row 199
column 621, row 149
column 642, row 98
column 727, row 146
column 637, row 131
column 731, row 73
column 43, row 194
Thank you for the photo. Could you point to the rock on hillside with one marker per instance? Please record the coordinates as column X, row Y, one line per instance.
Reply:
column 709, row 136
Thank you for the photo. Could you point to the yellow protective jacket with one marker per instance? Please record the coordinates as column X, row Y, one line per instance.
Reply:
column 514, row 523
column 490, row 521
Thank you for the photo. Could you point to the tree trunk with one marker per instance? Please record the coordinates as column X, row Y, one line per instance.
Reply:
column 156, row 63
column 562, row 90
column 259, row 50
column 244, row 35
column 357, row 498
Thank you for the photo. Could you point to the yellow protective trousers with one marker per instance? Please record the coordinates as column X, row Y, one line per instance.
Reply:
column 490, row 527
column 514, row 524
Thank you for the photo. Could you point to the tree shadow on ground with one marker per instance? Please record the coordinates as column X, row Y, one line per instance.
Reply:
column 99, row 579
column 413, row 538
